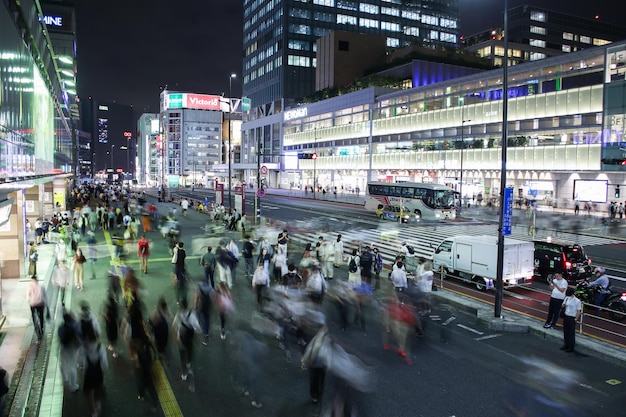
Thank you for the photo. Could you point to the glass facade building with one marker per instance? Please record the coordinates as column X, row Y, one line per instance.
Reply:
column 279, row 37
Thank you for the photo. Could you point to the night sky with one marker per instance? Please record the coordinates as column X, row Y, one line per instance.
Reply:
column 128, row 49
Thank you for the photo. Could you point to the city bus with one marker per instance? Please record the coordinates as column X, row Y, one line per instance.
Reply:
column 428, row 201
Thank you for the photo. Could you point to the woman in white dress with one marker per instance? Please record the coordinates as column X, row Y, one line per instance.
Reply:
column 354, row 273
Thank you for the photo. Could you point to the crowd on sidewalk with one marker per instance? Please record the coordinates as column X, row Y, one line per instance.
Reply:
column 299, row 296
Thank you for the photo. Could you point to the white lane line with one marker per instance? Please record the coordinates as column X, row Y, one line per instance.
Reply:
column 469, row 329
column 489, row 336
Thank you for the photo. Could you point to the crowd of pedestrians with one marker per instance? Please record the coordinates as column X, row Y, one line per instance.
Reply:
column 300, row 297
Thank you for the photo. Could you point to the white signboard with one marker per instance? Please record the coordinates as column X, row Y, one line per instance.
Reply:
column 591, row 190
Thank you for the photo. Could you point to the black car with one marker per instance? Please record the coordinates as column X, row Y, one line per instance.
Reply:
column 568, row 258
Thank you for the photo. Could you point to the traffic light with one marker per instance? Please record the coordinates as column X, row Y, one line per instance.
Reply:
column 617, row 191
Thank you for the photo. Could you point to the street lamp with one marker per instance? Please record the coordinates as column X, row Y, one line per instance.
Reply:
column 461, row 176
column 230, row 175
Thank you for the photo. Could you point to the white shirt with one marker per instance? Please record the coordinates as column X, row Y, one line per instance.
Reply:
column 184, row 204
column 572, row 306
column 398, row 278
column 426, row 281
column 260, row 277
column 559, row 284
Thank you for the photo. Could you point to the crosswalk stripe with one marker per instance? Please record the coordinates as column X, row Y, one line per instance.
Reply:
column 425, row 239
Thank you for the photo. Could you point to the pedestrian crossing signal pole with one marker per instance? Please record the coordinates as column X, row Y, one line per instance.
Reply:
column 257, row 199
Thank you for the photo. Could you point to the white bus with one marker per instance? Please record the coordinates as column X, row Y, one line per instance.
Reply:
column 428, row 201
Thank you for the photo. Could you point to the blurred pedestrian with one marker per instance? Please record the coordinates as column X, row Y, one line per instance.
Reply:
column 426, row 286
column 400, row 319
column 225, row 306
column 572, row 307
column 558, row 286
column 251, row 354
column 68, row 350
column 93, row 360
column 143, row 253
column 78, row 266
column 226, row 262
column 185, row 325
column 159, row 323
column 61, row 278
column 38, row 301
column 203, row 302
column 260, row 283
column 110, row 315
column 143, row 372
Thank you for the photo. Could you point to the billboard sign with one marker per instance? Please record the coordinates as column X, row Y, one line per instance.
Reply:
column 201, row 102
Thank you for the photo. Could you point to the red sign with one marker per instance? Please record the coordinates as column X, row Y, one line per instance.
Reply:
column 202, row 102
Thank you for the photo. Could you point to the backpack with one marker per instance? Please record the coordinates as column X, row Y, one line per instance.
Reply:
column 86, row 328
column 410, row 249
column 67, row 335
column 352, row 266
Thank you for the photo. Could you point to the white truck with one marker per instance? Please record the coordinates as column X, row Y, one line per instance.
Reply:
column 475, row 258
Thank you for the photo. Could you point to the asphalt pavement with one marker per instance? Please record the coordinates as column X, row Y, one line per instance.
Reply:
column 452, row 368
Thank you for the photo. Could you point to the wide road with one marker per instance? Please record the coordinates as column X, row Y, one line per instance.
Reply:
column 460, row 368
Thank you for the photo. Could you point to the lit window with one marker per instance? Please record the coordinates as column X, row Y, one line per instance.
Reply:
column 537, row 16
column 410, row 15
column 433, row 34
column 342, row 19
column 538, row 43
column 329, row 3
column 411, row 31
column 566, row 48
column 447, row 23
column 390, row 11
column 535, row 56
column 368, row 23
column 394, row 27
column 347, row 5
column 538, row 30
column 368, row 8
column 600, row 42
column 448, row 37
column 430, row 20
column 585, row 39
column 568, row 36
column 393, row 42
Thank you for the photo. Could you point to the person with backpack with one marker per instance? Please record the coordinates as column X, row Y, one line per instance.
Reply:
column 260, row 283
column 68, row 352
column 354, row 271
column 208, row 263
column 248, row 256
column 93, row 360
column 365, row 264
column 378, row 267
column 88, row 325
column 185, row 325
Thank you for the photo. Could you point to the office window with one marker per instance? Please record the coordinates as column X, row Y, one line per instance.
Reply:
column 347, row 5
column 538, row 30
column 411, row 31
column 568, row 36
column 394, row 27
column 537, row 16
column 368, row 23
column 566, row 48
column 298, row 61
column 538, row 43
column 600, row 42
column 390, row 11
column 300, row 29
column 448, row 37
column 430, row 20
column 299, row 45
column 329, row 3
column 498, row 51
column 447, row 23
column 304, row 14
column 368, row 8
column 342, row 19
column 393, row 42
column 410, row 15
column 433, row 34
column 585, row 39
column 323, row 17
column 535, row 56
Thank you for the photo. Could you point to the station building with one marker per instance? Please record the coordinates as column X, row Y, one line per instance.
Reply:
column 565, row 126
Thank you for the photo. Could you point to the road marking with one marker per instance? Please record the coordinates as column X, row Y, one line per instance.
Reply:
column 613, row 382
column 469, row 329
column 450, row 320
column 489, row 336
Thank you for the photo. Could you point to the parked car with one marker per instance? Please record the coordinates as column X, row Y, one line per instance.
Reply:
column 568, row 258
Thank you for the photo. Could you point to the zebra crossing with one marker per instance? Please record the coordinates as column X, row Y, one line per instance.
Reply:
column 425, row 239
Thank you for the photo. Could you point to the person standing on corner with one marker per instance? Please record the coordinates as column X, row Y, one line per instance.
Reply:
column 178, row 259
column 248, row 256
column 283, row 240
column 558, row 286
column 33, row 256
column 572, row 307
column 208, row 262
column 338, row 249
column 79, row 269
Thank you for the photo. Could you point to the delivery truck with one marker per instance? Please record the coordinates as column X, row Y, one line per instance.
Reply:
column 475, row 259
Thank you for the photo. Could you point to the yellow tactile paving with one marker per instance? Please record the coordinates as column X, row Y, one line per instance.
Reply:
column 164, row 391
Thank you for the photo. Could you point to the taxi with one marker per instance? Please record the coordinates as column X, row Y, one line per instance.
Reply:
column 396, row 213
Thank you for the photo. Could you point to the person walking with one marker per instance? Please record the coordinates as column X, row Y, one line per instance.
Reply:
column 185, row 325
column 572, row 307
column 260, row 283
column 79, row 270
column 283, row 240
column 224, row 306
column 93, row 360
column 33, row 256
column 558, row 286
column 61, row 278
column 338, row 252
column 38, row 301
column 248, row 256
column 143, row 253
column 178, row 259
column 68, row 350
column 225, row 263
column 426, row 286
column 159, row 322
column 208, row 262
column 110, row 313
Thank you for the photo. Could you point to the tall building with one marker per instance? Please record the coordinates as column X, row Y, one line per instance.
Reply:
column 537, row 33
column 280, row 37
column 149, row 150
column 111, row 126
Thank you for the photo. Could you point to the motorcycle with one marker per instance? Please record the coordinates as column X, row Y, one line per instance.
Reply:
column 614, row 300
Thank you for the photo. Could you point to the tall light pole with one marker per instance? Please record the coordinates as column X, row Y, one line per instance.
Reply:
column 112, row 146
column 314, row 162
column 462, row 151
column 230, row 174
